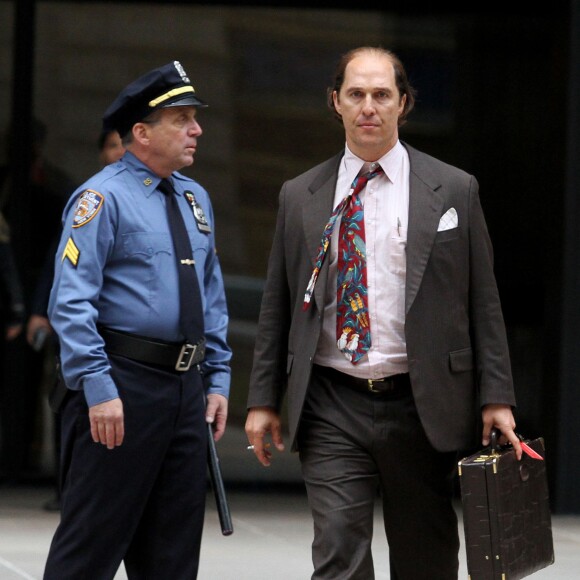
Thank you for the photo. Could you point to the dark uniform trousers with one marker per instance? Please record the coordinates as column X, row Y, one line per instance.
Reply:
column 353, row 444
column 143, row 502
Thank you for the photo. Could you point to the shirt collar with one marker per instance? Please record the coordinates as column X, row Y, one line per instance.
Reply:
column 390, row 162
column 147, row 179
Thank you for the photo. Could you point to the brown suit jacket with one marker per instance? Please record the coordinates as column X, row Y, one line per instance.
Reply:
column 456, row 340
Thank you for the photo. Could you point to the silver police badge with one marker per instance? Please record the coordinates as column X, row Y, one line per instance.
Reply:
column 198, row 214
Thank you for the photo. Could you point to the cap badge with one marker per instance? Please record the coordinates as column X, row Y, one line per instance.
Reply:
column 181, row 71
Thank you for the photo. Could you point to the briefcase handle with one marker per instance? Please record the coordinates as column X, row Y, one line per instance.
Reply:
column 497, row 447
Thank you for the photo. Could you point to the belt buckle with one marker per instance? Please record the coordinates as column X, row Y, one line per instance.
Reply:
column 371, row 385
column 185, row 357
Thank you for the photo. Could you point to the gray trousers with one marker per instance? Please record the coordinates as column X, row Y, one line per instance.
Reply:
column 356, row 446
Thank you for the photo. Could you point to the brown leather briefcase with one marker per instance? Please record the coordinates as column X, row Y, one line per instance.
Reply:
column 506, row 511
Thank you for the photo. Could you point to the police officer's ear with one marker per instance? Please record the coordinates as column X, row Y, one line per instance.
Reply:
column 141, row 133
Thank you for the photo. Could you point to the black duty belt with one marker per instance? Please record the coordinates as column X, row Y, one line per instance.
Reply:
column 393, row 385
column 169, row 354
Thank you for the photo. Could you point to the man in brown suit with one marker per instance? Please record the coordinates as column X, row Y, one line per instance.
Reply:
column 438, row 359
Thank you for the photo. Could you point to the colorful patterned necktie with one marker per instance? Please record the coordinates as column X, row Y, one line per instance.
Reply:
column 352, row 304
column 190, row 304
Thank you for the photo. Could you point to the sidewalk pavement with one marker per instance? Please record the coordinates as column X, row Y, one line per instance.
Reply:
column 271, row 519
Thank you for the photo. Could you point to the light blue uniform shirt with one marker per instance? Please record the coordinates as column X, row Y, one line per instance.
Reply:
column 115, row 267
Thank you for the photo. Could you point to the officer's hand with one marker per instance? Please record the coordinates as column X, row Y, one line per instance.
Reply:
column 107, row 425
column 216, row 413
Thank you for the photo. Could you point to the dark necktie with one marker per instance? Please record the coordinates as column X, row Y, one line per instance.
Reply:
column 352, row 302
column 190, row 304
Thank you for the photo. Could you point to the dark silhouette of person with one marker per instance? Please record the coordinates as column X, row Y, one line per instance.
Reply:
column 25, row 365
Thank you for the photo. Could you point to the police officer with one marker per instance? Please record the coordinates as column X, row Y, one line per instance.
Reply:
column 140, row 388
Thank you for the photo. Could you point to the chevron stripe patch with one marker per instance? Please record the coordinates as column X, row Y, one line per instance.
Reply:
column 71, row 252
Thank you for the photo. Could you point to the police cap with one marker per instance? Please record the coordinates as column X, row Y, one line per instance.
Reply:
column 166, row 86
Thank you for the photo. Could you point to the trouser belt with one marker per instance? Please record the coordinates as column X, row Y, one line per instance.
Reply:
column 169, row 354
column 394, row 385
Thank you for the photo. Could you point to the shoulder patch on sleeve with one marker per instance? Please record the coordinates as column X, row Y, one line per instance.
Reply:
column 88, row 206
column 71, row 252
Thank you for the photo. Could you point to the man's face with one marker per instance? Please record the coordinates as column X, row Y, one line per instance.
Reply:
column 173, row 139
column 370, row 105
column 112, row 149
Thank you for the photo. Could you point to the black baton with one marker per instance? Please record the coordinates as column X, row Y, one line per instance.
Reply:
column 217, row 484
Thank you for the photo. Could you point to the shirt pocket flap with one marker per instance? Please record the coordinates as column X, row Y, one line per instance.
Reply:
column 147, row 243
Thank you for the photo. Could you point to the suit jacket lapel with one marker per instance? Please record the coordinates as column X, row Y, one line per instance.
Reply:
column 315, row 213
column 425, row 206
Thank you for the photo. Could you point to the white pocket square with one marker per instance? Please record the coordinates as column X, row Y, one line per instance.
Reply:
column 448, row 221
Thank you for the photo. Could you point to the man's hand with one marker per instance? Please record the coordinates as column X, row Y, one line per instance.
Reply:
column 502, row 418
column 216, row 412
column 107, row 424
column 36, row 323
column 262, row 420
column 12, row 331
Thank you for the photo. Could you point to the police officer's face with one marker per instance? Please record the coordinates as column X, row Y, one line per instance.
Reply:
column 173, row 140
column 370, row 105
